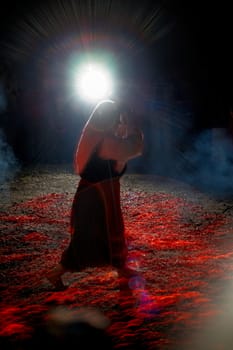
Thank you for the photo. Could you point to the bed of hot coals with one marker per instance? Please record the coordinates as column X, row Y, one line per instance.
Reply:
column 180, row 244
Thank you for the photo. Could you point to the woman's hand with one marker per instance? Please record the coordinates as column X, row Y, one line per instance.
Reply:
column 122, row 131
column 122, row 148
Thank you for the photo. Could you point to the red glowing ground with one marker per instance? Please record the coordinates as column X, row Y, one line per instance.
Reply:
column 180, row 242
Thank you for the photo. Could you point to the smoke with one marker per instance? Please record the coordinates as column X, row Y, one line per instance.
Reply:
column 8, row 163
column 208, row 163
column 175, row 149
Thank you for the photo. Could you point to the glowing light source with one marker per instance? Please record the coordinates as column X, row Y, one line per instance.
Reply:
column 93, row 82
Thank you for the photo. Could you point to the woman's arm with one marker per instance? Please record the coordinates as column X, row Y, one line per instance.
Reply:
column 90, row 137
column 122, row 149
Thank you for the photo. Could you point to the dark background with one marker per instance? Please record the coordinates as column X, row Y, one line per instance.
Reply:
column 174, row 67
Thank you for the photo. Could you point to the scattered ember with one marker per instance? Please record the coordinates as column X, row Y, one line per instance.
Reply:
column 178, row 248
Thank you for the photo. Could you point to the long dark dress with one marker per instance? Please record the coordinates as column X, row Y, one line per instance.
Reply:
column 97, row 226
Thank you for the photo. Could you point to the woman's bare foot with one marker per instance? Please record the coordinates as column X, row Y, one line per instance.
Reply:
column 58, row 284
column 55, row 277
column 126, row 272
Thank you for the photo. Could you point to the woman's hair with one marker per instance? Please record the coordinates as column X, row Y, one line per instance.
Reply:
column 104, row 116
column 107, row 113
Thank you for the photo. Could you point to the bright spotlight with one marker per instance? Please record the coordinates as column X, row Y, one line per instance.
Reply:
column 93, row 82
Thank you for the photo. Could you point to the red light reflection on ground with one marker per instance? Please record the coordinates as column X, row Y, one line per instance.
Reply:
column 179, row 250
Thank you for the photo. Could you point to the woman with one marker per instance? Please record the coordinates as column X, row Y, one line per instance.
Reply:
column 107, row 142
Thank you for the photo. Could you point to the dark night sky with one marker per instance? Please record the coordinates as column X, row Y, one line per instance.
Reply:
column 195, row 50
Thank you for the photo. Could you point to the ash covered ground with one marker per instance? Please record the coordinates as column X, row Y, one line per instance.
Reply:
column 180, row 241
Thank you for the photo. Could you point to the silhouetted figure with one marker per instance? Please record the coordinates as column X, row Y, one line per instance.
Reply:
column 109, row 139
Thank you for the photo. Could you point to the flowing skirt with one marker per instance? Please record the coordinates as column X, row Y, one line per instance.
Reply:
column 97, row 227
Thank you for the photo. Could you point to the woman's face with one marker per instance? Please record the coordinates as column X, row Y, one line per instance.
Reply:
column 121, row 129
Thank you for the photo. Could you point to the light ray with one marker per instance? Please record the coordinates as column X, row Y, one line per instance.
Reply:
column 114, row 22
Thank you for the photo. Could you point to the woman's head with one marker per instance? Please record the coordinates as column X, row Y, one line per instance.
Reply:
column 108, row 113
column 104, row 116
